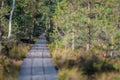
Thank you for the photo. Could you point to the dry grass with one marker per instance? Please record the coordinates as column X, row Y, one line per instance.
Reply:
column 79, row 65
column 11, row 62
column 71, row 74
column 108, row 76
column 19, row 51
column 10, row 69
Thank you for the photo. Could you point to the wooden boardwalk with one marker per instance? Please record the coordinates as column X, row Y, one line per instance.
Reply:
column 38, row 64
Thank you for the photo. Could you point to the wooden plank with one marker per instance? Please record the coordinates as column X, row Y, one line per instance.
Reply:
column 46, row 55
column 41, row 42
column 50, row 72
column 40, row 45
column 36, row 50
column 37, row 67
column 38, row 77
column 51, row 77
column 38, row 63
column 24, row 77
column 34, row 55
column 25, row 72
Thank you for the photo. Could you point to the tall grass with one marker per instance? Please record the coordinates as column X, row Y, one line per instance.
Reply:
column 85, row 65
column 10, row 62
column 9, row 69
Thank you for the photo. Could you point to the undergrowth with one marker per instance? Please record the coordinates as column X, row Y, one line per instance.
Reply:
column 82, row 65
column 12, row 55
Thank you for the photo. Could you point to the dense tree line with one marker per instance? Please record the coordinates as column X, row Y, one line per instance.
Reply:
column 94, row 23
column 80, row 23
column 88, row 24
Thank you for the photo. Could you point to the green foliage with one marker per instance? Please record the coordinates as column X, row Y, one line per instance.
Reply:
column 72, row 74
column 116, row 66
column 58, row 18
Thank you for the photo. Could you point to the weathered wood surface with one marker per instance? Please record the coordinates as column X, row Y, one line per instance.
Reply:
column 38, row 64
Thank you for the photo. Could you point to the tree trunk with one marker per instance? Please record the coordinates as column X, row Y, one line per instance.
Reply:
column 46, row 24
column 2, row 5
column 117, row 13
column 73, row 39
column 111, row 51
column 34, row 28
column 49, row 23
column 10, row 20
column 0, row 37
column 89, row 32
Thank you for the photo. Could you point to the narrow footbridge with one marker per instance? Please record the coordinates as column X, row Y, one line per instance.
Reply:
column 38, row 64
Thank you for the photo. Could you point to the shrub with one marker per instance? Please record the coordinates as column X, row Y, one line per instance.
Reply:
column 6, row 63
column 10, row 69
column 71, row 74
column 15, row 50
column 18, row 52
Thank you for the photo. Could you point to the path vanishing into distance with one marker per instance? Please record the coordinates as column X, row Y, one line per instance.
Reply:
column 38, row 63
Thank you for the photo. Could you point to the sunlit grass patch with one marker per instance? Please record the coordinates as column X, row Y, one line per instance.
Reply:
column 19, row 52
column 71, row 74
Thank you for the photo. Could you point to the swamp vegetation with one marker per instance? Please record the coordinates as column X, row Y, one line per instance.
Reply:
column 83, row 36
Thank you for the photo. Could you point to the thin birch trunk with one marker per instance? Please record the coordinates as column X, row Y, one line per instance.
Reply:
column 112, row 51
column 10, row 20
